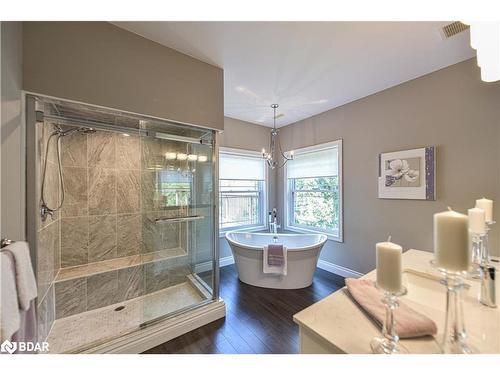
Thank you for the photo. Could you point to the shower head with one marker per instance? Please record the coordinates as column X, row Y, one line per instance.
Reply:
column 82, row 129
column 85, row 130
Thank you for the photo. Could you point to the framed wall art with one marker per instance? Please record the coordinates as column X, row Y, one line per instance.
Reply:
column 409, row 174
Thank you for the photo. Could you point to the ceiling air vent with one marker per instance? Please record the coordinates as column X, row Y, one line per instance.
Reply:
column 453, row 28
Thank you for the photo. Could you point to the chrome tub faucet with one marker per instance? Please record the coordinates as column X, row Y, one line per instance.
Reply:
column 273, row 222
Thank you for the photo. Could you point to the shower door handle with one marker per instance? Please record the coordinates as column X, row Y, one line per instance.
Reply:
column 178, row 219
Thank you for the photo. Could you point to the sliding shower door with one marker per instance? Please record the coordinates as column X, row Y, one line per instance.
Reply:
column 177, row 220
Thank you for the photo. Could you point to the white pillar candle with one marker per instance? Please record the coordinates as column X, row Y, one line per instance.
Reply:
column 451, row 241
column 389, row 266
column 477, row 223
column 487, row 206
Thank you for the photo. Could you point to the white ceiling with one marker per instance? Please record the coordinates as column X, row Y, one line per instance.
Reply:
column 308, row 67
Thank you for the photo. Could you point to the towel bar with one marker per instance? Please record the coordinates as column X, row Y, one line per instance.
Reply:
column 178, row 219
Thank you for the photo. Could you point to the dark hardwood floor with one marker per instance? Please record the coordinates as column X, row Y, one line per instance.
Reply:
column 258, row 320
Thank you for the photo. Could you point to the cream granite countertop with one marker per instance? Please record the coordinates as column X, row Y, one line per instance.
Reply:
column 346, row 328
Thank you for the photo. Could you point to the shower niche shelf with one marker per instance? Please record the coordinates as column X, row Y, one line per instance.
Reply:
column 90, row 269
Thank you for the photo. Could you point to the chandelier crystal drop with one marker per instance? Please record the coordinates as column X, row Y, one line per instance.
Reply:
column 275, row 158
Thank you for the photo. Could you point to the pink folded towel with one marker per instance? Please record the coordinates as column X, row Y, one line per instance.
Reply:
column 275, row 255
column 409, row 323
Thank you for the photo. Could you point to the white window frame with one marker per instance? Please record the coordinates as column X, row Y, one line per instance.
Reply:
column 265, row 226
column 287, row 199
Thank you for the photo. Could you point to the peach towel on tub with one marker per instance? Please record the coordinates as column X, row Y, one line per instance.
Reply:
column 409, row 323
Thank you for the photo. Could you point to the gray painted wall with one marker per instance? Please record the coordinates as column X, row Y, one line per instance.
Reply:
column 136, row 75
column 12, row 133
column 246, row 136
column 102, row 64
column 451, row 109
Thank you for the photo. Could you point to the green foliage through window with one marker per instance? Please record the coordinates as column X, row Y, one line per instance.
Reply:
column 315, row 203
column 174, row 188
column 176, row 194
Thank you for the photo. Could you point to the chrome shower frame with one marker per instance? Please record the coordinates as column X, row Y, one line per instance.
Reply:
column 116, row 128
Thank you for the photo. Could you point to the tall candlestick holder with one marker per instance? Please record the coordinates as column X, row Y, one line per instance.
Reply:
column 388, row 343
column 477, row 254
column 487, row 295
column 485, row 250
column 455, row 334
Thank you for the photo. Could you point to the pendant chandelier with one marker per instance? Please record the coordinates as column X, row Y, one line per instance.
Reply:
column 275, row 158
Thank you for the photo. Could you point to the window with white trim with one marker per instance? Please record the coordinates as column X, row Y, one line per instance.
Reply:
column 242, row 190
column 313, row 181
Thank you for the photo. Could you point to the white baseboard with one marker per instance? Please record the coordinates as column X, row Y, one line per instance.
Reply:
column 338, row 270
column 226, row 261
column 324, row 265
column 207, row 266
column 202, row 267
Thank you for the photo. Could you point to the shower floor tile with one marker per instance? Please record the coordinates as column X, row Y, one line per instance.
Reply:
column 76, row 332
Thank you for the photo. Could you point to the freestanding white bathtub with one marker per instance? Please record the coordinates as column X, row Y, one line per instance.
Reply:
column 303, row 253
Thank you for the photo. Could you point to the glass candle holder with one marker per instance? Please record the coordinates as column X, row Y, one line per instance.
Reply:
column 388, row 343
column 485, row 251
column 487, row 295
column 477, row 255
column 455, row 334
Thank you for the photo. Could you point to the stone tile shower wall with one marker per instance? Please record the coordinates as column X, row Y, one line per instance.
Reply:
column 102, row 176
column 112, row 199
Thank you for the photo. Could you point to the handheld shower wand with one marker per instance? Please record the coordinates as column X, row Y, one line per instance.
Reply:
column 45, row 210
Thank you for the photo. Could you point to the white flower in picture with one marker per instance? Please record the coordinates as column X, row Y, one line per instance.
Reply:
column 398, row 168
column 412, row 175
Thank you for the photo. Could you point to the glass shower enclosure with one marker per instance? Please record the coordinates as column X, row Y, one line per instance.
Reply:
column 122, row 216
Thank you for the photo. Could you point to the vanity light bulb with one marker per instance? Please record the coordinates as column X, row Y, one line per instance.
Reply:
column 202, row 158
column 181, row 156
column 170, row 156
column 192, row 157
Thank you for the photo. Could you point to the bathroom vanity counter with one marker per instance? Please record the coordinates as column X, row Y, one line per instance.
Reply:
column 337, row 325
